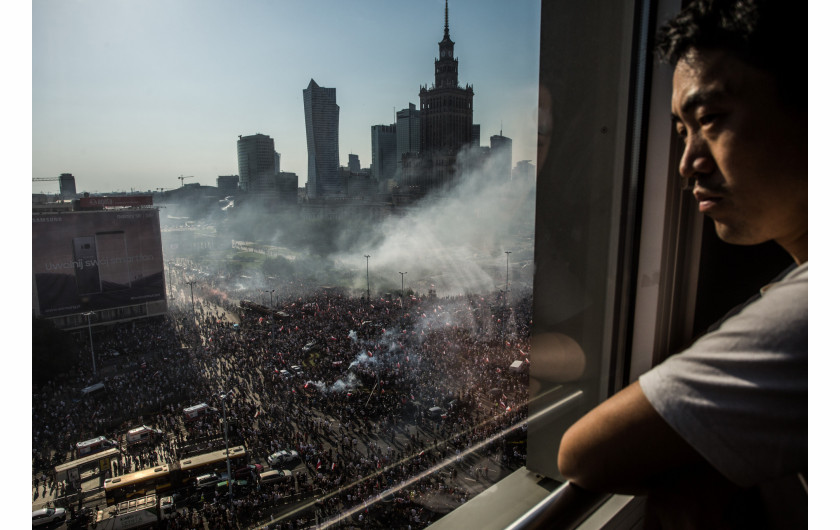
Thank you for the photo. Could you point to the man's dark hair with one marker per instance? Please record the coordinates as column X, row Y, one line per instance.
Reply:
column 771, row 35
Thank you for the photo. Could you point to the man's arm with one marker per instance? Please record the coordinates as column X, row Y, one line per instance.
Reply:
column 623, row 446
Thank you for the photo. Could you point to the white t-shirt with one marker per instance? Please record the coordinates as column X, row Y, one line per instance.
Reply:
column 739, row 394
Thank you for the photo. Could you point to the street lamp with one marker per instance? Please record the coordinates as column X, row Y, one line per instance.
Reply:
column 223, row 396
column 367, row 268
column 191, row 283
column 270, row 297
column 90, row 334
column 402, row 279
column 507, row 274
column 170, row 279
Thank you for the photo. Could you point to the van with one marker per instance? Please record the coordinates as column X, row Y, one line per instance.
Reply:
column 143, row 434
column 94, row 445
column 275, row 475
column 197, row 411
column 93, row 390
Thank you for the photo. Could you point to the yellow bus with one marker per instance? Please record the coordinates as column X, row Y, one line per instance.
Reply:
column 194, row 466
column 153, row 480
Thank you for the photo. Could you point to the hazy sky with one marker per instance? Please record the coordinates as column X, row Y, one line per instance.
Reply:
column 130, row 94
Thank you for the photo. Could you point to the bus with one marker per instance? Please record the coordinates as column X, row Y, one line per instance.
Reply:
column 161, row 479
column 194, row 466
column 153, row 480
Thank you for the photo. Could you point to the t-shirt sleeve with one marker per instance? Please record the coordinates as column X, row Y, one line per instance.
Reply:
column 739, row 395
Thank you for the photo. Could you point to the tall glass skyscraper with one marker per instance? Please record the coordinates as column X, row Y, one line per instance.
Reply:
column 383, row 152
column 321, row 113
column 408, row 131
column 256, row 159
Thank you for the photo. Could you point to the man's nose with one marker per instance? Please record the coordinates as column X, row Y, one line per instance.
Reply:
column 696, row 158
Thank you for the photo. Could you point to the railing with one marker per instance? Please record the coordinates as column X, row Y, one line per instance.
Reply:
column 565, row 507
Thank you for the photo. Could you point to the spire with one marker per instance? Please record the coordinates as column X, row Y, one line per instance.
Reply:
column 446, row 20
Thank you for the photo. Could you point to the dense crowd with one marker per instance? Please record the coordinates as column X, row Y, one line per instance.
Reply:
column 357, row 409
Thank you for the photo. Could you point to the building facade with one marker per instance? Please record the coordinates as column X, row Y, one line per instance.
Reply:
column 321, row 115
column 383, row 152
column 227, row 184
column 256, row 159
column 408, row 131
column 446, row 109
column 97, row 260
column 501, row 149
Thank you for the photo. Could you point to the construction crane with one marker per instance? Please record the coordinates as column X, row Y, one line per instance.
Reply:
column 66, row 183
column 182, row 177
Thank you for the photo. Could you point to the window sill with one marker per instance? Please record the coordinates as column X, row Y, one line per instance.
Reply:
column 526, row 499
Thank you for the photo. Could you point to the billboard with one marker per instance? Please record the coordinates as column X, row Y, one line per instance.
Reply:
column 89, row 261
column 110, row 202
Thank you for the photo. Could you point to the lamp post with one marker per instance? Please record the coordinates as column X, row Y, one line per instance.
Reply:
column 507, row 274
column 367, row 269
column 191, row 283
column 270, row 297
column 170, row 279
column 224, row 396
column 402, row 279
column 90, row 334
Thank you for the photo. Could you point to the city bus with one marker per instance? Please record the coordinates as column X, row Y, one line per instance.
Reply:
column 160, row 479
column 194, row 466
column 153, row 480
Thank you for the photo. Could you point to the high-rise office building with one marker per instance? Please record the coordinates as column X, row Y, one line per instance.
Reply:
column 256, row 159
column 408, row 131
column 446, row 109
column 353, row 163
column 67, row 186
column 321, row 114
column 227, row 184
column 501, row 149
column 383, row 152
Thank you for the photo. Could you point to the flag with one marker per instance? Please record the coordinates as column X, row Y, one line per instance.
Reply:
column 318, row 465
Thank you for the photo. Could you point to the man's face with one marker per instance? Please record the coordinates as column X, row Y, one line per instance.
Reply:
column 745, row 151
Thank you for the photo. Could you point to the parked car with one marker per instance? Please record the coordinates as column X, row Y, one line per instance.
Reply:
column 203, row 481
column 274, row 475
column 48, row 516
column 184, row 498
column 143, row 434
column 284, row 458
column 245, row 472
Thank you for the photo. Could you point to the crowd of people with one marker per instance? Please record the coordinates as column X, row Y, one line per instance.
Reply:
column 347, row 382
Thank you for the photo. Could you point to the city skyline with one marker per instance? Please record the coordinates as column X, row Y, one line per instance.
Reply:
column 129, row 95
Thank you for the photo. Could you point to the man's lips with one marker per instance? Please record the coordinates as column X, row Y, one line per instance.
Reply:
column 706, row 200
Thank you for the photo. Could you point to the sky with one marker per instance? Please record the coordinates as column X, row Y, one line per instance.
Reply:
column 131, row 95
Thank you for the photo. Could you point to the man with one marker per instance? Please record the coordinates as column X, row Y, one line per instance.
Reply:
column 713, row 433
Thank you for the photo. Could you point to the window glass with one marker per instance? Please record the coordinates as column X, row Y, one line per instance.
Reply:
column 411, row 334
column 581, row 214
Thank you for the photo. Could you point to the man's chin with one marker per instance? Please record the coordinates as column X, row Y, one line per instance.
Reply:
column 735, row 236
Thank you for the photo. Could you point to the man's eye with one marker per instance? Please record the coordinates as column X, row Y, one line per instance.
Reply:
column 707, row 119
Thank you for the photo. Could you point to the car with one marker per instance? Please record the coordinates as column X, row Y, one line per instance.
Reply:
column 286, row 374
column 185, row 498
column 245, row 472
column 210, row 479
column 274, row 475
column 48, row 516
column 297, row 369
column 284, row 458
